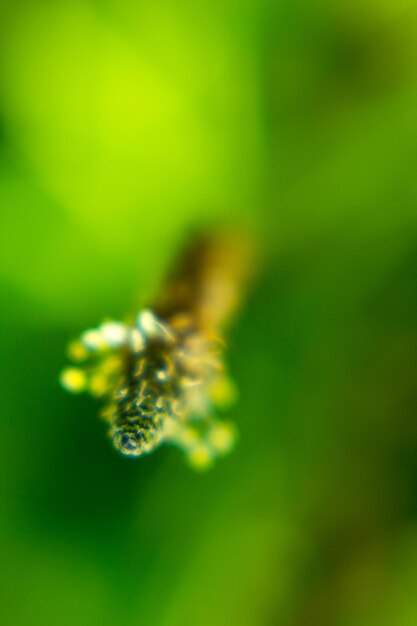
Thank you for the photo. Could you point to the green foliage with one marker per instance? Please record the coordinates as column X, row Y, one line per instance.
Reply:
column 124, row 125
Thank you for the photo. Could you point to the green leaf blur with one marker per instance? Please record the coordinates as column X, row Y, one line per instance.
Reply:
column 124, row 126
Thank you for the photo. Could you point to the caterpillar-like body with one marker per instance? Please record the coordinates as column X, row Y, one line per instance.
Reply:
column 162, row 377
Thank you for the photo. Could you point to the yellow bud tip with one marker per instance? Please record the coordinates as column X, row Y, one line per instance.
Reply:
column 200, row 457
column 111, row 365
column 74, row 380
column 98, row 385
column 114, row 334
column 223, row 392
column 187, row 436
column 93, row 340
column 222, row 438
column 77, row 351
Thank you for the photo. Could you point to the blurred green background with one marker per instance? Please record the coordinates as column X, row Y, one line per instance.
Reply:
column 123, row 125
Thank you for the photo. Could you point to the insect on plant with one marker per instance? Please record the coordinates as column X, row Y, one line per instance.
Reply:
column 162, row 375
